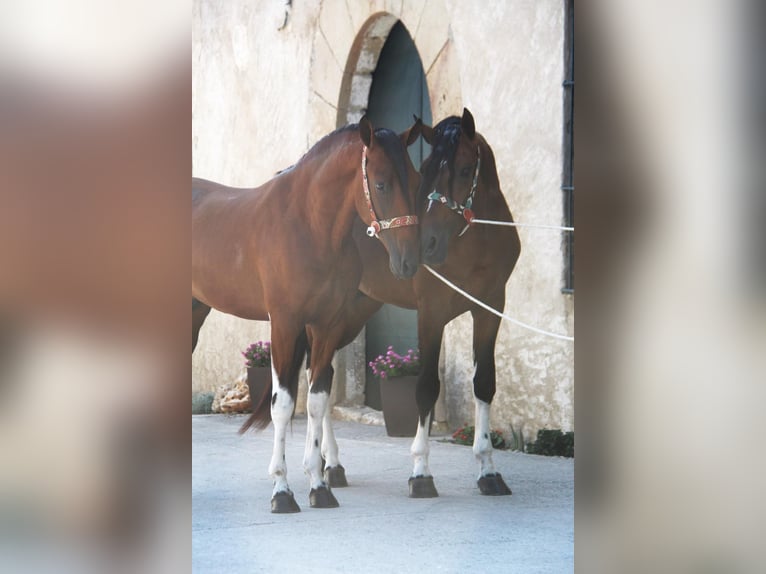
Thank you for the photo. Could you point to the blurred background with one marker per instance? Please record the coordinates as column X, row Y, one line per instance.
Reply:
column 94, row 163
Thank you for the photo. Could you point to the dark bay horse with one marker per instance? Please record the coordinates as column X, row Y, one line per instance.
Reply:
column 459, row 182
column 284, row 252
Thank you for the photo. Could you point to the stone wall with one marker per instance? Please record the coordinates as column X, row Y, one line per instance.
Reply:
column 270, row 80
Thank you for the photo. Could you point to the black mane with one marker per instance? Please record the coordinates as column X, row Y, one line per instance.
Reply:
column 446, row 139
column 393, row 148
column 387, row 139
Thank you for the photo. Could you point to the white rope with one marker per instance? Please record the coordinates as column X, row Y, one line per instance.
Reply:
column 498, row 313
column 514, row 224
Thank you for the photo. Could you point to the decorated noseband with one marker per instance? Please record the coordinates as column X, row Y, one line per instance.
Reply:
column 459, row 208
column 379, row 225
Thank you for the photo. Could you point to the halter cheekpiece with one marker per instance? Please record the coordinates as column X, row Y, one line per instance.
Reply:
column 376, row 225
column 459, row 208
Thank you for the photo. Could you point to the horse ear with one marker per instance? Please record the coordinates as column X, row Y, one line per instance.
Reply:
column 428, row 133
column 467, row 124
column 366, row 130
column 410, row 136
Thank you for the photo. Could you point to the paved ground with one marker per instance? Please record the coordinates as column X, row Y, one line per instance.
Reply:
column 377, row 527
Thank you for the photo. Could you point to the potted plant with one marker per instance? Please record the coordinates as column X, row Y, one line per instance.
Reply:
column 258, row 363
column 398, row 376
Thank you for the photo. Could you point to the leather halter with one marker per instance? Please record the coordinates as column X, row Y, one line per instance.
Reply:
column 376, row 225
column 459, row 208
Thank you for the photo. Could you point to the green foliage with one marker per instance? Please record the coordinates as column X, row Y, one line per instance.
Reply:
column 553, row 443
column 202, row 403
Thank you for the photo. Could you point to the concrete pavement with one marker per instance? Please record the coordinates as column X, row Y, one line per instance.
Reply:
column 377, row 527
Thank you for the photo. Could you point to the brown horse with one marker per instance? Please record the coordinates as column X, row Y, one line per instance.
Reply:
column 459, row 179
column 284, row 252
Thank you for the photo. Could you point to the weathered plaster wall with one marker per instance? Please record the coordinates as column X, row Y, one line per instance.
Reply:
column 250, row 116
column 262, row 96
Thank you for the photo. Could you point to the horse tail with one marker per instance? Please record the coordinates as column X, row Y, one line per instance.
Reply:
column 261, row 415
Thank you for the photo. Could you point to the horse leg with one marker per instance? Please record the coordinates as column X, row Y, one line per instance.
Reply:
column 356, row 314
column 334, row 473
column 485, row 326
column 320, row 384
column 199, row 314
column 430, row 331
column 286, row 345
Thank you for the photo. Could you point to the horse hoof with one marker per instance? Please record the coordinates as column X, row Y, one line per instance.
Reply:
column 322, row 497
column 493, row 485
column 284, row 503
column 335, row 476
column 422, row 487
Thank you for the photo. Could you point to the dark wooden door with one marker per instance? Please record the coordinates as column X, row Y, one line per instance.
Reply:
column 398, row 91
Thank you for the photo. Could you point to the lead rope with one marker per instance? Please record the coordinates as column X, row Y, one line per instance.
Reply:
column 514, row 224
column 494, row 311
column 467, row 212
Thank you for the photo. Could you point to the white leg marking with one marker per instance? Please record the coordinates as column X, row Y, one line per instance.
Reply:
column 281, row 411
column 329, row 444
column 482, row 442
column 312, row 459
column 420, row 449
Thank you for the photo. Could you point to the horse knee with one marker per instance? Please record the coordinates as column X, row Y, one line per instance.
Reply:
column 426, row 392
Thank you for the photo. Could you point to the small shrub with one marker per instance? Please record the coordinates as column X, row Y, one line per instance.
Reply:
column 553, row 443
column 202, row 403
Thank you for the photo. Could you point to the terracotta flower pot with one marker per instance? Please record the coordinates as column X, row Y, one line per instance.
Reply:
column 400, row 410
column 259, row 383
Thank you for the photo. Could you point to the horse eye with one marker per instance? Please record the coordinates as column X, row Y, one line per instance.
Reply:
column 380, row 186
column 465, row 172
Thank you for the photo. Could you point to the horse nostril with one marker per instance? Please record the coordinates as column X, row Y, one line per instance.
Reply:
column 407, row 268
column 431, row 245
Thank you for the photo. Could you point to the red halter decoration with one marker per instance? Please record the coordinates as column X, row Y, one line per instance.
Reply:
column 376, row 226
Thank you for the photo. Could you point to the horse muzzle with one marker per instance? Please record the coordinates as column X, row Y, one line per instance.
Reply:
column 405, row 266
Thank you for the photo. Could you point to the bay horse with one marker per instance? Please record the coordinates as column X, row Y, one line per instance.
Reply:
column 284, row 252
column 459, row 182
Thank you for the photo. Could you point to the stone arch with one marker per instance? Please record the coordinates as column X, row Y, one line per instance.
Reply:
column 360, row 64
column 347, row 44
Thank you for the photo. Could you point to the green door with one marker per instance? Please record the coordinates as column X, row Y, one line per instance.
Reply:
column 398, row 91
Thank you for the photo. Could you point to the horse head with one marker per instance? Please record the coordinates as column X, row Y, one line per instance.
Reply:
column 391, row 184
column 449, row 183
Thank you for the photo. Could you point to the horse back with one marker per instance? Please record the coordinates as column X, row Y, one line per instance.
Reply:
column 224, row 275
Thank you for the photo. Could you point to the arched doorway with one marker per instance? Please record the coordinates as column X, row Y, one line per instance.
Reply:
column 398, row 92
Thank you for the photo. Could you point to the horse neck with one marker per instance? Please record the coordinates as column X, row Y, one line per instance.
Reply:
column 331, row 205
column 489, row 196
